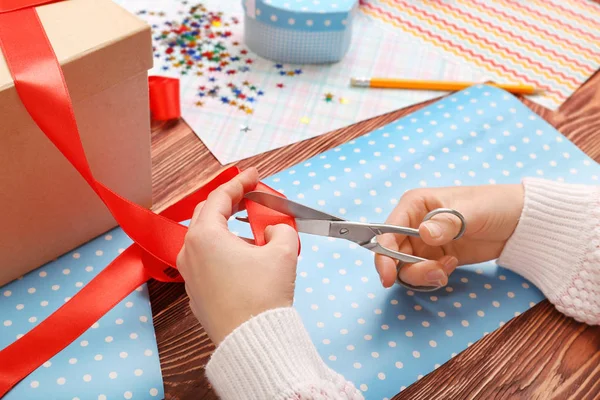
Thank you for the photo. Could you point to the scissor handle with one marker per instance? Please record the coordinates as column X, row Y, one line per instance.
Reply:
column 404, row 258
column 377, row 248
column 463, row 222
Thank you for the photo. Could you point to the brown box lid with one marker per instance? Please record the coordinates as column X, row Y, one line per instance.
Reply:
column 80, row 31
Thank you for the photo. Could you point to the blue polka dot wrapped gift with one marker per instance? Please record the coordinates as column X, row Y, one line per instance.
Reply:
column 299, row 31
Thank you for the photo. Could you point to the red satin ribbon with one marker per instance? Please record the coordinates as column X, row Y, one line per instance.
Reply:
column 157, row 237
column 164, row 98
column 14, row 5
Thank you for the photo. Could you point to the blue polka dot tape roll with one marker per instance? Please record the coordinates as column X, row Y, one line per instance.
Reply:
column 299, row 31
column 384, row 340
column 116, row 358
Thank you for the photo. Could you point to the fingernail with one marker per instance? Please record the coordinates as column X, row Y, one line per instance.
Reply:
column 436, row 276
column 434, row 229
column 450, row 264
column 383, row 283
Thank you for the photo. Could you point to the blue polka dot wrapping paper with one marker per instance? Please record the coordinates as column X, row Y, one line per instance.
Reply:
column 385, row 339
column 117, row 358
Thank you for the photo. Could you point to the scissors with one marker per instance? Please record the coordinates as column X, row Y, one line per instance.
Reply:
column 315, row 222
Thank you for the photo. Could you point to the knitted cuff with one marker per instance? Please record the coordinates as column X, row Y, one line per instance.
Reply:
column 271, row 356
column 555, row 245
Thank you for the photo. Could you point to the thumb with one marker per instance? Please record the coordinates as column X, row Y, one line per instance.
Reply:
column 440, row 229
column 283, row 236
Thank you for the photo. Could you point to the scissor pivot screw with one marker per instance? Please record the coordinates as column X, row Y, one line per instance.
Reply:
column 344, row 231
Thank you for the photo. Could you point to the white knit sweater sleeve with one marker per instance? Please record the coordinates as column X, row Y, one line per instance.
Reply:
column 271, row 356
column 557, row 246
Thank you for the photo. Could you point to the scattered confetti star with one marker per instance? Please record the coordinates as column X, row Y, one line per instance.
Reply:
column 280, row 85
column 328, row 97
column 245, row 129
column 199, row 42
column 305, row 120
column 344, row 100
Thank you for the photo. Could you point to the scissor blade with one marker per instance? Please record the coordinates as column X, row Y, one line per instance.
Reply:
column 319, row 227
column 289, row 207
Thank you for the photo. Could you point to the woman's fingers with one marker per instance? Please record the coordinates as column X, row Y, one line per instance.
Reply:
column 386, row 268
column 440, row 230
column 220, row 204
column 430, row 272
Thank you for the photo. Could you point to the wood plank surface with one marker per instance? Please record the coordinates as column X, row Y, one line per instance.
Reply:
column 538, row 355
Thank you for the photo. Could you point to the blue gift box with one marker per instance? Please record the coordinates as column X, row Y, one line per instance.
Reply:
column 299, row 31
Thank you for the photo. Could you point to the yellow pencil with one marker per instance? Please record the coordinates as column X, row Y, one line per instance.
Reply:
column 387, row 83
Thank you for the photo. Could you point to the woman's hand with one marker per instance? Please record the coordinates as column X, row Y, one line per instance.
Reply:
column 228, row 279
column 491, row 212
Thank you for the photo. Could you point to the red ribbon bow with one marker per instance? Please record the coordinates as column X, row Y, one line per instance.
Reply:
column 157, row 237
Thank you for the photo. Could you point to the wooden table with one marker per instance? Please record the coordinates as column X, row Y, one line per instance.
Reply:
column 538, row 355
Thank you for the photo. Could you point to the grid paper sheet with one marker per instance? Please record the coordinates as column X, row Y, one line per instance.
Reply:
column 385, row 339
column 241, row 105
column 551, row 44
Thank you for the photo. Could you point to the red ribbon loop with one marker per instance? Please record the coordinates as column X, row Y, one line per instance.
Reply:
column 164, row 98
column 157, row 238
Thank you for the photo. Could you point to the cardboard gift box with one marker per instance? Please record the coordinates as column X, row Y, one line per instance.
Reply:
column 299, row 32
column 46, row 208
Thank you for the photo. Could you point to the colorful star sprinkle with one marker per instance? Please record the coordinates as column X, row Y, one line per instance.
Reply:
column 290, row 72
column 328, row 97
column 200, row 43
column 305, row 120
column 239, row 97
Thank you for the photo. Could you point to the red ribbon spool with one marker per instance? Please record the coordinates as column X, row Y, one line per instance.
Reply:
column 164, row 98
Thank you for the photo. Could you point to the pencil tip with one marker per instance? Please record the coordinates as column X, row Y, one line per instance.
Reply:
column 359, row 82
